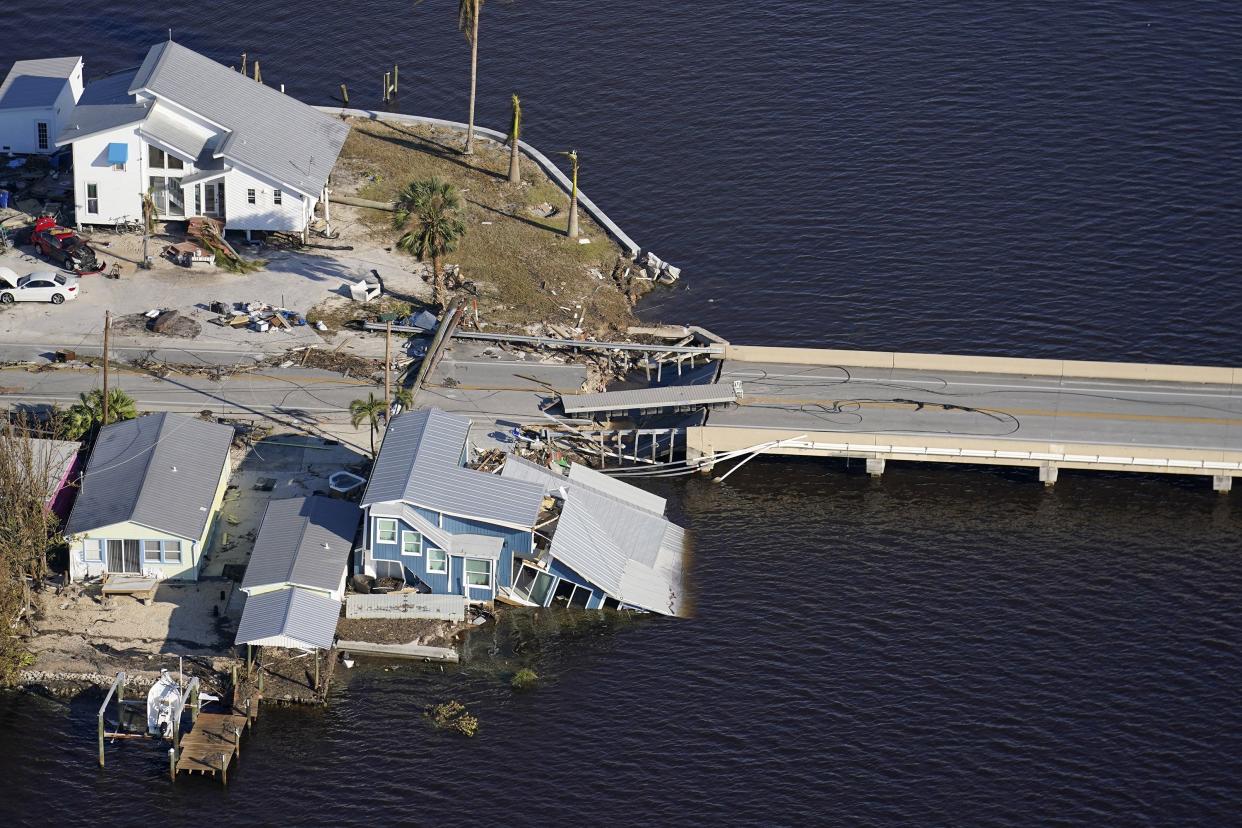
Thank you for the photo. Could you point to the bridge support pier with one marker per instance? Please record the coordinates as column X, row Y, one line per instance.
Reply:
column 1222, row 483
column 1048, row 474
column 875, row 466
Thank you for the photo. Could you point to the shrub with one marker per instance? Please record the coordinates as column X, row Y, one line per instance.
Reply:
column 524, row 679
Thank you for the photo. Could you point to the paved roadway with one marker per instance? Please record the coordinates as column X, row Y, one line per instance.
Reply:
column 996, row 406
column 306, row 395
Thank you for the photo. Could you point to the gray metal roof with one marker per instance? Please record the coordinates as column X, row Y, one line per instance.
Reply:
column 477, row 546
column 35, row 83
column 635, row 556
column 108, row 89
column 617, row 488
column 289, row 617
column 159, row 470
column 519, row 468
column 89, row 120
column 304, row 541
column 269, row 132
column 172, row 131
column 420, row 462
column 643, row 398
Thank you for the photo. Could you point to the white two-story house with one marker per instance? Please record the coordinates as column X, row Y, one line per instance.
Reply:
column 203, row 140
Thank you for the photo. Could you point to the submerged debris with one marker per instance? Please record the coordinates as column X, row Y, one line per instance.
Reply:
column 452, row 715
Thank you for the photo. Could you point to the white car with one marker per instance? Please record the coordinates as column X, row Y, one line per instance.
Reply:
column 43, row 286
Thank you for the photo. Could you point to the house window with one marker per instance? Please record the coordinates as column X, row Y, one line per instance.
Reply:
column 437, row 562
column 385, row 531
column 209, row 195
column 411, row 543
column 172, row 551
column 533, row 584
column 155, row 157
column 43, row 137
column 92, row 550
column 175, row 163
column 151, row 552
column 198, row 200
column 478, row 572
column 276, row 196
column 92, row 198
column 250, row 196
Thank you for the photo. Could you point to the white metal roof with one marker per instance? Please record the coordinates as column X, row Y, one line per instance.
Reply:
column 36, row 83
column 268, row 131
column 173, row 131
column 633, row 555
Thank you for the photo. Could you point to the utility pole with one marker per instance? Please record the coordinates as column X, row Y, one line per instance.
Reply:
column 387, row 371
column 107, row 329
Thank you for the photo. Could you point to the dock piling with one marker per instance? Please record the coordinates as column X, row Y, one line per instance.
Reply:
column 344, row 94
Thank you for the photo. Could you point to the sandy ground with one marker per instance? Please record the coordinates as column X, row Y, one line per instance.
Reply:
column 295, row 465
column 297, row 280
column 79, row 632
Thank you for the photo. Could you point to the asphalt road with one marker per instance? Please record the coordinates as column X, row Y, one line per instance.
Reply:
column 842, row 399
column 306, row 395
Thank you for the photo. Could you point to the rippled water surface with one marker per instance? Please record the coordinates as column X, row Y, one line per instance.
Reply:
column 943, row 646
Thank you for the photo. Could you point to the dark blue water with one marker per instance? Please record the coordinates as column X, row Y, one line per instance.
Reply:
column 940, row 647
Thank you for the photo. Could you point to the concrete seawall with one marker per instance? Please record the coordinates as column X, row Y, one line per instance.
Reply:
column 892, row 360
column 535, row 155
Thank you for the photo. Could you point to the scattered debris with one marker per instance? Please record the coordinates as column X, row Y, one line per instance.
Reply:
column 452, row 715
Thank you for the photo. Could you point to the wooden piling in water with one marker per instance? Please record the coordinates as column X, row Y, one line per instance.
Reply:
column 344, row 94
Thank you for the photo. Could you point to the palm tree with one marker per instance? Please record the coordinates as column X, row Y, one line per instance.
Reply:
column 86, row 415
column 572, row 155
column 515, row 135
column 403, row 397
column 468, row 22
column 368, row 410
column 430, row 212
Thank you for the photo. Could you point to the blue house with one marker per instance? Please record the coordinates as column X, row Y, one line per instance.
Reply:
column 435, row 523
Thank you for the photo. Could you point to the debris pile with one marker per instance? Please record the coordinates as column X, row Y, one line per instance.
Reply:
column 258, row 316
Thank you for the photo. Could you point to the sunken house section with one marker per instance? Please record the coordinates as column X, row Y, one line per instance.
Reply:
column 528, row 535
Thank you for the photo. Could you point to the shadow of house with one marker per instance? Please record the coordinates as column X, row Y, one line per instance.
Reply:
column 426, row 145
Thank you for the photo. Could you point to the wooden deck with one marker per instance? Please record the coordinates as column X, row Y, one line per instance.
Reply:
column 140, row 587
column 213, row 744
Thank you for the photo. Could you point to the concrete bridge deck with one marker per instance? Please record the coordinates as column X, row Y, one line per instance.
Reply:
column 1043, row 414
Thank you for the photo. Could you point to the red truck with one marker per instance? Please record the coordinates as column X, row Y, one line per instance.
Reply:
column 64, row 247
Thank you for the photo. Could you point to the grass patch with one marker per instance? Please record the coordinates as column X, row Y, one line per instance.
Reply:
column 524, row 679
column 527, row 269
column 337, row 312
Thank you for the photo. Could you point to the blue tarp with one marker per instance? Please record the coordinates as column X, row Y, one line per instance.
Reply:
column 118, row 153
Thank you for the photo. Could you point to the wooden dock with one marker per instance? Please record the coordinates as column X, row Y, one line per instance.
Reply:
column 213, row 744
